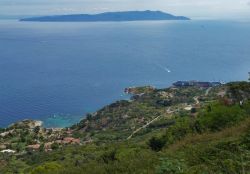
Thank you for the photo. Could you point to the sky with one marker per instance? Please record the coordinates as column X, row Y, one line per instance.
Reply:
column 204, row 9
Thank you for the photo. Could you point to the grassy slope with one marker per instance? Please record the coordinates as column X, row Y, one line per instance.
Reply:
column 226, row 151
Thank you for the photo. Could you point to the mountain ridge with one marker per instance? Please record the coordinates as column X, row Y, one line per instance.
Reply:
column 108, row 16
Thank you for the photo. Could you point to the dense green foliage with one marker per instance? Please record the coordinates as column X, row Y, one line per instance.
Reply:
column 213, row 139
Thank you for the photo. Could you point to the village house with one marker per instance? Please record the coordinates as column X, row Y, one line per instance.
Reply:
column 47, row 146
column 58, row 141
column 69, row 132
column 188, row 108
column 6, row 133
column 34, row 147
column 88, row 141
column 71, row 140
column 2, row 146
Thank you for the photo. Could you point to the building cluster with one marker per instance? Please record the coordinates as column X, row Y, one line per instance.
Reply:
column 52, row 137
column 48, row 146
column 196, row 84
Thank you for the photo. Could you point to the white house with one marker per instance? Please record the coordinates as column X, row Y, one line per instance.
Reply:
column 8, row 151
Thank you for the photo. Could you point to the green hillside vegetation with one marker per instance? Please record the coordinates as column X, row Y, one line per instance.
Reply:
column 154, row 132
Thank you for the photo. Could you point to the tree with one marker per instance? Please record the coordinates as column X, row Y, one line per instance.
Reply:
column 36, row 129
column 109, row 156
column 193, row 110
column 88, row 116
column 156, row 143
column 41, row 148
column 209, row 108
column 55, row 146
column 51, row 167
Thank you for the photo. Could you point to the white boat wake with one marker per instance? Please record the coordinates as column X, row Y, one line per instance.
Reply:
column 163, row 68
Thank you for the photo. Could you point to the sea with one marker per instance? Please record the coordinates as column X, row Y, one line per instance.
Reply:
column 58, row 72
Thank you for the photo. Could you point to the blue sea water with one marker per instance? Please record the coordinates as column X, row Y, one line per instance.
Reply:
column 56, row 72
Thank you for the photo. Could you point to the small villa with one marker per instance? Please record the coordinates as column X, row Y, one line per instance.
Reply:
column 8, row 151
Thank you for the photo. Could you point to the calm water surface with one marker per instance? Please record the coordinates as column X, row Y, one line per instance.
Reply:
column 56, row 72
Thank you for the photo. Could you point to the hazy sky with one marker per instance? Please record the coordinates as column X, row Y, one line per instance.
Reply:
column 192, row 8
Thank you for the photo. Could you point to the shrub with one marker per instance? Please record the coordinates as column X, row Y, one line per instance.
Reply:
column 36, row 129
column 109, row 156
column 220, row 117
column 51, row 167
column 179, row 130
column 171, row 166
column 157, row 143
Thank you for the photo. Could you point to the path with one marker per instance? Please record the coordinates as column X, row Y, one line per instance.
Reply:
column 146, row 125
column 169, row 112
column 137, row 130
column 196, row 100
column 207, row 91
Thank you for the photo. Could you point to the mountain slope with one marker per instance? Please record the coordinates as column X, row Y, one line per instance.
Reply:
column 212, row 137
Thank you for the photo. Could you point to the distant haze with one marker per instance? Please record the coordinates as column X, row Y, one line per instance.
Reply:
column 208, row 9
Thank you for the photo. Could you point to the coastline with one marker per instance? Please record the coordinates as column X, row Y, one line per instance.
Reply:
column 129, row 93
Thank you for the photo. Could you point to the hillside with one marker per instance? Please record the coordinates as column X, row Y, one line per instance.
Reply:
column 174, row 130
column 109, row 16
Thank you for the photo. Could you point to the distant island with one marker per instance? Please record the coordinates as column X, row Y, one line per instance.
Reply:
column 108, row 16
